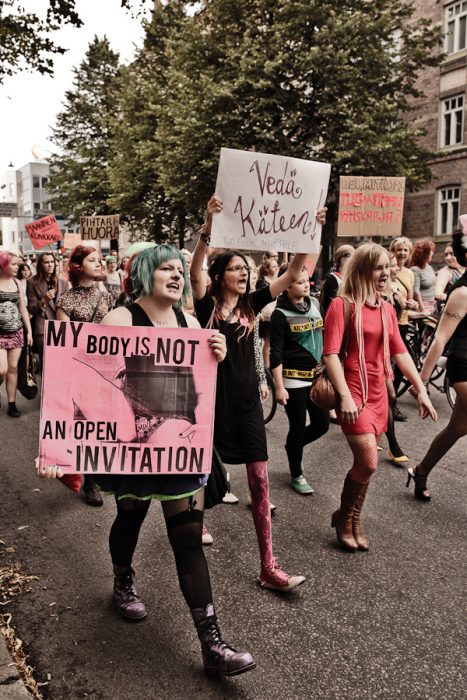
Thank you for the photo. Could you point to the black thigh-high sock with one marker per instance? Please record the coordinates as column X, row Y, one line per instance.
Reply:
column 124, row 532
column 184, row 530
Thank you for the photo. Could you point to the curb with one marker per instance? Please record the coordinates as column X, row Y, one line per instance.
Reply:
column 11, row 685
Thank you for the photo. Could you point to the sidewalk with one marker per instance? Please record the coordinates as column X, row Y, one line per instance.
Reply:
column 11, row 685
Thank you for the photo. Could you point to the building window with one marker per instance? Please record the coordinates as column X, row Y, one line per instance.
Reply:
column 448, row 209
column 452, row 122
column 36, row 181
column 45, row 181
column 455, row 27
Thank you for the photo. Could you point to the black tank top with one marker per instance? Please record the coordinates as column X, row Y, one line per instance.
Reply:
column 139, row 316
column 458, row 344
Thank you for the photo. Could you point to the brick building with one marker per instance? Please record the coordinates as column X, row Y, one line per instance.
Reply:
column 434, row 210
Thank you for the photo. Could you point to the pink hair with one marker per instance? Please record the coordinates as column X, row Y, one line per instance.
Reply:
column 5, row 260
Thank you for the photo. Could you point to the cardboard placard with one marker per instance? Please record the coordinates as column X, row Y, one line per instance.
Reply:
column 269, row 202
column 71, row 240
column 370, row 206
column 127, row 400
column 99, row 228
column 44, row 232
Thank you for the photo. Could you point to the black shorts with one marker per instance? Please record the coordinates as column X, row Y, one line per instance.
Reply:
column 456, row 369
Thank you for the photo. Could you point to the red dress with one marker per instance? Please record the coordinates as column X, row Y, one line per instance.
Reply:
column 374, row 416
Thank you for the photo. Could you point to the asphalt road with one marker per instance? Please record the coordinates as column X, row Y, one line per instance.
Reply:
column 384, row 624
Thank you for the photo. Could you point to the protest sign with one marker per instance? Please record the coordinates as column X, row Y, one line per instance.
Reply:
column 370, row 206
column 99, row 228
column 71, row 240
column 269, row 202
column 44, row 232
column 127, row 400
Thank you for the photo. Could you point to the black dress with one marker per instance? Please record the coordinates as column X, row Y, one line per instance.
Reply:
column 456, row 366
column 239, row 433
column 166, row 486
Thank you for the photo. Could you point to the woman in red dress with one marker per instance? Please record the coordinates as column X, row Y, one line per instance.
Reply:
column 360, row 381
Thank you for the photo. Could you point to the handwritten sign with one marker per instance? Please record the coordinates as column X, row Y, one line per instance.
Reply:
column 71, row 240
column 370, row 206
column 127, row 400
column 269, row 202
column 99, row 228
column 44, row 232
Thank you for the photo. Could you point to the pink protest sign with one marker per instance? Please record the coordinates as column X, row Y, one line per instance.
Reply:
column 127, row 400
column 44, row 232
column 370, row 206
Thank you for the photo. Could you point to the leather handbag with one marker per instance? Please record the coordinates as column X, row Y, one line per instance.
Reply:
column 322, row 391
column 27, row 382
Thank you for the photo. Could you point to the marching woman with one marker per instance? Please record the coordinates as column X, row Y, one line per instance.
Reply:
column 360, row 381
column 43, row 289
column 451, row 329
column 239, row 433
column 85, row 302
column 296, row 349
column 13, row 318
column 448, row 275
column 334, row 279
column 160, row 281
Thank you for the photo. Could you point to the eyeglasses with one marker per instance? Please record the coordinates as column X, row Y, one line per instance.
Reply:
column 238, row 268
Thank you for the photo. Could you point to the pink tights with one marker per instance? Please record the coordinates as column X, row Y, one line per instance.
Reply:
column 365, row 456
column 258, row 484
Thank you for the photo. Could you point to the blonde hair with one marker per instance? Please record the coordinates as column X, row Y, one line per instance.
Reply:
column 400, row 240
column 358, row 282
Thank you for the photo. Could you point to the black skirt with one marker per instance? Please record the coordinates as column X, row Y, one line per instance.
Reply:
column 456, row 369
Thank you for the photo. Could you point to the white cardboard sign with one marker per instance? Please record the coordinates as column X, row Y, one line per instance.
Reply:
column 269, row 202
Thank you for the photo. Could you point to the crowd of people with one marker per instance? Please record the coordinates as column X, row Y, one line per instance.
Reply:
column 263, row 319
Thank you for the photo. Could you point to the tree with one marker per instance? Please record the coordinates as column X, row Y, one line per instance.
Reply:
column 79, row 183
column 26, row 40
column 136, row 188
column 329, row 80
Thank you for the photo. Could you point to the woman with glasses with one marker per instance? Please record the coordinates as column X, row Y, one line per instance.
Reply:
column 239, row 433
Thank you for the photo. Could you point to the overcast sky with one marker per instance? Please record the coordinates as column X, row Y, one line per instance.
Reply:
column 30, row 101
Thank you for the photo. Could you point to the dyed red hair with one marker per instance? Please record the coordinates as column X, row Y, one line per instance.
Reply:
column 5, row 260
column 421, row 252
column 75, row 263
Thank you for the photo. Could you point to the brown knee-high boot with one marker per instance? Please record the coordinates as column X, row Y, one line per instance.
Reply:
column 359, row 536
column 342, row 518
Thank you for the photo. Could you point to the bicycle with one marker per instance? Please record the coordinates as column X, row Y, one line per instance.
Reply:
column 270, row 404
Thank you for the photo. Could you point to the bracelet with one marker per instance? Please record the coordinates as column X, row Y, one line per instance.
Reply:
column 204, row 235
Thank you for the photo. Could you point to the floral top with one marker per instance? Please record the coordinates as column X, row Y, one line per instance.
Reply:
column 85, row 304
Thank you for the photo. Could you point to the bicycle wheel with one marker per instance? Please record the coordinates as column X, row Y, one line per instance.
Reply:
column 449, row 391
column 270, row 405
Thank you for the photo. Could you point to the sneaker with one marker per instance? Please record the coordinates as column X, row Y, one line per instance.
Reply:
column 230, row 498
column 277, row 580
column 301, row 485
column 206, row 537
column 272, row 507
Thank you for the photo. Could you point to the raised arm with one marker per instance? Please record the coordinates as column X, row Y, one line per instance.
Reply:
column 443, row 278
column 197, row 276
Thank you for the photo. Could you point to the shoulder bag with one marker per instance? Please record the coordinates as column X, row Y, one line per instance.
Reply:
column 322, row 392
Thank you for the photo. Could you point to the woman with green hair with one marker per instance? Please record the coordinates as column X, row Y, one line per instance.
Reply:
column 160, row 282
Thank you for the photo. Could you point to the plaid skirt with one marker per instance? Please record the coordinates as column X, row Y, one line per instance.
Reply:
column 10, row 341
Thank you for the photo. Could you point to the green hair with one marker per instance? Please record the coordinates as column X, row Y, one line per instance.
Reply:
column 144, row 264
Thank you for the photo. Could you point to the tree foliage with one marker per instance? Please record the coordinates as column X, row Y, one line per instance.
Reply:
column 79, row 183
column 329, row 80
column 26, row 40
